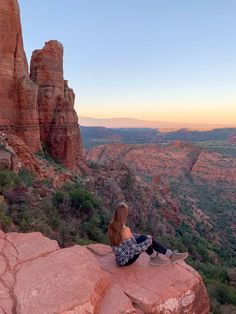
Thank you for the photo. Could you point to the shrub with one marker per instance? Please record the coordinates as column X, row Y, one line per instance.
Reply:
column 93, row 229
column 16, row 195
column 53, row 218
column 66, row 233
column 129, row 181
column 83, row 201
column 5, row 221
column 26, row 176
column 7, row 179
column 223, row 293
column 47, row 182
column 58, row 198
column 82, row 241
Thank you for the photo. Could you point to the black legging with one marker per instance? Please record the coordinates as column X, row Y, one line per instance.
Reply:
column 155, row 246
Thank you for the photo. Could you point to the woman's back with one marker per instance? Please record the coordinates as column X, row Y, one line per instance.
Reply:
column 126, row 233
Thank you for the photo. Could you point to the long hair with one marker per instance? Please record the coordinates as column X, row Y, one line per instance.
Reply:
column 117, row 223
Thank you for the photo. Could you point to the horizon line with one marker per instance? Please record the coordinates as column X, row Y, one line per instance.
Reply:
column 156, row 121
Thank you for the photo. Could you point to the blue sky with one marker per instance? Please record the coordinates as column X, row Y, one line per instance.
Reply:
column 169, row 60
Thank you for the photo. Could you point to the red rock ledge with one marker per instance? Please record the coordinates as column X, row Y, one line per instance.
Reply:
column 36, row 276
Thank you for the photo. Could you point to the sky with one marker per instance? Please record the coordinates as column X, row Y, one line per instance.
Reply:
column 160, row 60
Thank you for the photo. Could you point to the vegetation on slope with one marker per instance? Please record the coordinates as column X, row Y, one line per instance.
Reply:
column 72, row 215
column 215, row 140
column 212, row 246
column 69, row 215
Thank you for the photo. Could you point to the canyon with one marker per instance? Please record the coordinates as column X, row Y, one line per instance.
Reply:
column 163, row 160
column 173, row 183
column 48, row 172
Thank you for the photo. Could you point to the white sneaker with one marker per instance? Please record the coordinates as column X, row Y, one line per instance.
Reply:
column 175, row 257
column 158, row 261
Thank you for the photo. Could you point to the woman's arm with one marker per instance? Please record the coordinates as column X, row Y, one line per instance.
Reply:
column 143, row 246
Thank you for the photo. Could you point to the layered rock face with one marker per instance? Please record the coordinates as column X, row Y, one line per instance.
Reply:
column 173, row 160
column 40, row 109
column 58, row 120
column 19, row 110
column 214, row 166
column 36, row 276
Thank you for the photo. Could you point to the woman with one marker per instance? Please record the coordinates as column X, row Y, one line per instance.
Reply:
column 127, row 246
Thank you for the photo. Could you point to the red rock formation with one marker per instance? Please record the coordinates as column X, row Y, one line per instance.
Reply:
column 18, row 95
column 155, row 180
column 38, row 277
column 212, row 166
column 41, row 109
column 58, row 120
column 167, row 161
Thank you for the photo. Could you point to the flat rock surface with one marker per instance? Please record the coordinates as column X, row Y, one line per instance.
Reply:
column 176, row 288
column 116, row 302
column 37, row 277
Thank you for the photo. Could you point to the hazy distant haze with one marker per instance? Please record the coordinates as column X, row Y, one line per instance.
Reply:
column 136, row 123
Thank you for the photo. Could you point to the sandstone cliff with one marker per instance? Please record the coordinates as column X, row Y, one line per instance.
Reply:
column 39, row 277
column 37, row 109
column 172, row 160
column 19, row 109
column 58, row 120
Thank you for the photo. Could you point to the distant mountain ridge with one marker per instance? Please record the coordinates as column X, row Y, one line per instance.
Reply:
column 94, row 136
column 138, row 123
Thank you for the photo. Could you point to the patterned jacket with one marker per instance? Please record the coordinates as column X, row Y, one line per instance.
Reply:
column 128, row 248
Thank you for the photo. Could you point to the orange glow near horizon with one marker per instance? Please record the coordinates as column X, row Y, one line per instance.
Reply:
column 226, row 115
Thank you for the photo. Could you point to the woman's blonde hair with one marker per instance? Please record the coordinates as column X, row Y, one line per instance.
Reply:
column 117, row 223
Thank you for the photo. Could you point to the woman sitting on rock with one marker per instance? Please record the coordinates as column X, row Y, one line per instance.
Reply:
column 127, row 246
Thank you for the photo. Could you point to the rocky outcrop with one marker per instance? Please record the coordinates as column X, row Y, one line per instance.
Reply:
column 176, row 288
column 37, row 110
column 36, row 276
column 58, row 120
column 8, row 159
column 19, row 109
